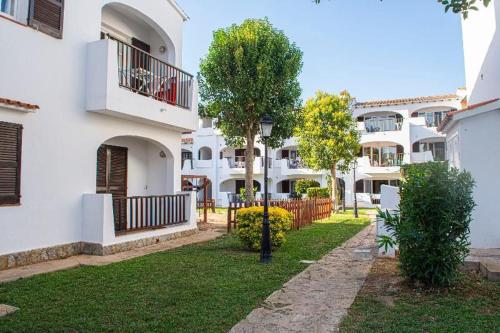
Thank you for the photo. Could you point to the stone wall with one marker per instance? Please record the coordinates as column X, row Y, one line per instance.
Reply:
column 36, row 256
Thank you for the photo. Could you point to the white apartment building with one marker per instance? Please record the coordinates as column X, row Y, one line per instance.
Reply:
column 396, row 132
column 393, row 132
column 473, row 134
column 205, row 153
column 93, row 103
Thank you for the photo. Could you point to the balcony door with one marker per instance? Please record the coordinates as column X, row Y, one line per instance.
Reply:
column 112, row 177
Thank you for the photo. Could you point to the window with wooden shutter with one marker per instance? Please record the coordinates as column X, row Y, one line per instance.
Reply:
column 47, row 16
column 10, row 163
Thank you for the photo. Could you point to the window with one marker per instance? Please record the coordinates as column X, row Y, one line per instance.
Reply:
column 10, row 163
column 8, row 7
column 47, row 16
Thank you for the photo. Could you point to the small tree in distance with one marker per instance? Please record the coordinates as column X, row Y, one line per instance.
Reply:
column 327, row 135
column 250, row 71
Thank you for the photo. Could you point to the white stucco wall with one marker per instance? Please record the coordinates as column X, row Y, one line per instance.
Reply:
column 61, row 139
column 478, row 139
column 481, row 40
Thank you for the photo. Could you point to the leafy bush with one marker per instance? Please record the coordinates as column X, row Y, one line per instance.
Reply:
column 318, row 192
column 243, row 193
column 249, row 222
column 432, row 226
column 302, row 185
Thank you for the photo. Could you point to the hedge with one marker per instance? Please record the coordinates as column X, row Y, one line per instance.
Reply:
column 249, row 226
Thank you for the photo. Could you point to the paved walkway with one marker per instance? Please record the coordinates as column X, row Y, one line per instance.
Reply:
column 88, row 260
column 317, row 299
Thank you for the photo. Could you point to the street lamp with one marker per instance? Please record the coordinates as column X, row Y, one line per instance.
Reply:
column 266, row 128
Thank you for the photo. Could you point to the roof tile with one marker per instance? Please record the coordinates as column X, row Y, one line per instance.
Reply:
column 19, row 104
column 402, row 101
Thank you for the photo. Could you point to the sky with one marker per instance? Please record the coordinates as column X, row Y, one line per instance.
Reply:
column 374, row 49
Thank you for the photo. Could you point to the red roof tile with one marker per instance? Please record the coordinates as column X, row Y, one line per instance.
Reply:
column 449, row 115
column 187, row 141
column 401, row 101
column 18, row 104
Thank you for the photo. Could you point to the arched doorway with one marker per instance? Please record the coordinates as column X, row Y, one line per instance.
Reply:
column 205, row 154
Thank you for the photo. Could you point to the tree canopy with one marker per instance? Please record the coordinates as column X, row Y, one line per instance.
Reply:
column 457, row 6
column 327, row 135
column 250, row 71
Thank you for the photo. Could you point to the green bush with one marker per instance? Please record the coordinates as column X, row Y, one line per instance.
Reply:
column 318, row 192
column 432, row 226
column 249, row 222
column 302, row 185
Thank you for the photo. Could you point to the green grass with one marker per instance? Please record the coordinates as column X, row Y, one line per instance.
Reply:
column 471, row 306
column 220, row 210
column 198, row 288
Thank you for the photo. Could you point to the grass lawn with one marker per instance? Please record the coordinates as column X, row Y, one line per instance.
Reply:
column 388, row 304
column 198, row 288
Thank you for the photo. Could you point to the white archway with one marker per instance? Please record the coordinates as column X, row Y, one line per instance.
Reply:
column 149, row 165
column 205, row 154
column 125, row 23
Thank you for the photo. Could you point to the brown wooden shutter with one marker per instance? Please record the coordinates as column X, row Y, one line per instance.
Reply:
column 47, row 16
column 10, row 163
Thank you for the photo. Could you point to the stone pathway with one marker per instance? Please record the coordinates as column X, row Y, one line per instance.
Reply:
column 317, row 299
column 88, row 260
column 485, row 261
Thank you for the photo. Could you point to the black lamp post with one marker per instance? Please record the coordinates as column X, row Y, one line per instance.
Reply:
column 266, row 128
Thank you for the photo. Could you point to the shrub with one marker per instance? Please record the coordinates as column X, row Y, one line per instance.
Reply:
column 318, row 192
column 432, row 226
column 302, row 185
column 249, row 222
column 243, row 194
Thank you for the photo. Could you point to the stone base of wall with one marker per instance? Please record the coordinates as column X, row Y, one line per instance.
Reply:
column 36, row 256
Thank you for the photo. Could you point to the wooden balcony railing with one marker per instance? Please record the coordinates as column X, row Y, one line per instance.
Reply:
column 144, row 74
column 150, row 212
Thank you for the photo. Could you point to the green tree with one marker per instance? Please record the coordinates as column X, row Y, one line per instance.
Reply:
column 251, row 70
column 457, row 6
column 327, row 135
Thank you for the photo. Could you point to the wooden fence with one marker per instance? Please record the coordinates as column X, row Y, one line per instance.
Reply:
column 305, row 211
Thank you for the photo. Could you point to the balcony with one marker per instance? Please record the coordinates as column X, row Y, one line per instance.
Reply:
column 382, row 125
column 392, row 160
column 234, row 166
column 291, row 167
column 126, row 82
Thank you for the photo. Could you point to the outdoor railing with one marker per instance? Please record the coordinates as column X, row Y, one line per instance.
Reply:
column 394, row 160
column 149, row 212
column 305, row 211
column 383, row 125
column 144, row 74
column 295, row 164
column 239, row 162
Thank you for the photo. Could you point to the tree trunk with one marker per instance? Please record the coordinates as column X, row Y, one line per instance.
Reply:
column 333, row 175
column 249, row 158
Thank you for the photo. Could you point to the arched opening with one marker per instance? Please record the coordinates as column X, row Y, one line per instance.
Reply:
column 186, row 158
column 130, row 26
column 433, row 116
column 205, row 154
column 383, row 154
column 233, row 188
column 236, row 156
column 206, row 123
column 381, row 121
column 286, row 187
column 437, row 146
column 134, row 166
